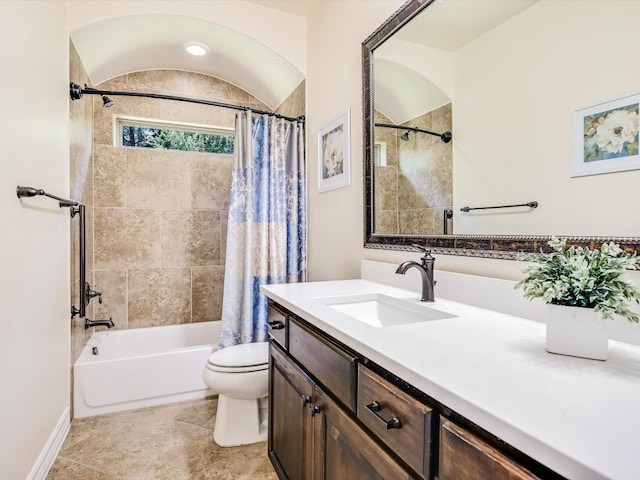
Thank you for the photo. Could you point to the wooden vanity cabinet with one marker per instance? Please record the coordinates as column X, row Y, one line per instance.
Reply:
column 343, row 450
column 400, row 421
column 331, row 417
column 290, row 442
column 278, row 325
column 312, row 437
column 465, row 456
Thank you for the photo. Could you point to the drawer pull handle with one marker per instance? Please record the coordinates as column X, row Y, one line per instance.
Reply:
column 315, row 410
column 306, row 399
column 276, row 325
column 374, row 407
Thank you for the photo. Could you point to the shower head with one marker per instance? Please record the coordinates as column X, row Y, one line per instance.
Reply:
column 405, row 136
column 76, row 92
column 107, row 102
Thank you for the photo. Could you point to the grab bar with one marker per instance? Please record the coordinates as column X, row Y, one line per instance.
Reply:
column 533, row 204
column 32, row 192
column 85, row 292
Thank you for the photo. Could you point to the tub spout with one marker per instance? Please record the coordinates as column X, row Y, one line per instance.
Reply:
column 98, row 323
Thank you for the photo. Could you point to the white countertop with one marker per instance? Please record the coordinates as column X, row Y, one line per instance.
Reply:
column 576, row 416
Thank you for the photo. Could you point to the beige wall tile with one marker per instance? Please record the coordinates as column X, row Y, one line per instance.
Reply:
column 190, row 238
column 160, row 208
column 113, row 285
column 386, row 188
column 160, row 296
column 109, row 176
column 211, row 181
column 386, row 222
column 81, row 189
column 158, row 179
column 207, row 285
column 127, row 238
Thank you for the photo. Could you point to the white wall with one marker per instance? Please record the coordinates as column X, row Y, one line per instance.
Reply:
column 34, row 233
column 334, row 82
column 515, row 90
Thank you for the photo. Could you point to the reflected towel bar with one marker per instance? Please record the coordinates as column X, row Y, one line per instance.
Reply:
column 533, row 204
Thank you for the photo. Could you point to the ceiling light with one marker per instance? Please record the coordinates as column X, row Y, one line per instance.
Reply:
column 196, row 48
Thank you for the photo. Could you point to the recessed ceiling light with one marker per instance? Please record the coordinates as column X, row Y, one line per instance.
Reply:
column 196, row 48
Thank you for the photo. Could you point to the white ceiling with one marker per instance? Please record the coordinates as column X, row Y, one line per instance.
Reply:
column 258, row 45
column 247, row 40
column 414, row 70
column 297, row 7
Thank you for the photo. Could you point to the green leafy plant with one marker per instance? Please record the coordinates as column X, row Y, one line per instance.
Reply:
column 581, row 277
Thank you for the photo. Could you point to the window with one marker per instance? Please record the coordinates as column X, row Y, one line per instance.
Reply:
column 380, row 154
column 140, row 133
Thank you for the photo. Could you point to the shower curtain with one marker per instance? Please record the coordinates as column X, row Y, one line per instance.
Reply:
column 266, row 230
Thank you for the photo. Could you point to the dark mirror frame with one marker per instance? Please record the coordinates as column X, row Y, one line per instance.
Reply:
column 487, row 246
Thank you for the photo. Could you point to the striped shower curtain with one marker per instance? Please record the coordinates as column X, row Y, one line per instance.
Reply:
column 266, row 230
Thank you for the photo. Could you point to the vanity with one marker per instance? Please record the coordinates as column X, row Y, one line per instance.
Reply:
column 368, row 382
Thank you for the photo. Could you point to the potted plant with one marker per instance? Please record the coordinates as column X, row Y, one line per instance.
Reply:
column 582, row 287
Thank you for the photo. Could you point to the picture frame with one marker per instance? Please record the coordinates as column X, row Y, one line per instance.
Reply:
column 334, row 153
column 605, row 137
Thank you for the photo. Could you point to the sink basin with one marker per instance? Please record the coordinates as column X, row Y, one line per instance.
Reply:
column 380, row 310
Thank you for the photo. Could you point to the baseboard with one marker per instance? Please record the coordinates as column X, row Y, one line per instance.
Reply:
column 52, row 447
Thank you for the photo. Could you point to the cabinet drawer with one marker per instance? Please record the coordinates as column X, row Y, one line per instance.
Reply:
column 464, row 455
column 399, row 420
column 332, row 366
column 277, row 324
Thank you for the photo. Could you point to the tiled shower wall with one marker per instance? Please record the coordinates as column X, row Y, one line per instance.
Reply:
column 159, row 216
column 416, row 186
column 81, row 181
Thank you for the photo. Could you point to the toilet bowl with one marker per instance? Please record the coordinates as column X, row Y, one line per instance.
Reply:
column 239, row 375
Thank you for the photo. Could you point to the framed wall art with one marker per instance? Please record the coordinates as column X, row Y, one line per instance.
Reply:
column 334, row 153
column 605, row 137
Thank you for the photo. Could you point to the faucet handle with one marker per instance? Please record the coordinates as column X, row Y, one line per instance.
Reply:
column 427, row 258
column 422, row 248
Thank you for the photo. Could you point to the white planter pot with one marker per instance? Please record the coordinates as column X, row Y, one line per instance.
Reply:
column 576, row 331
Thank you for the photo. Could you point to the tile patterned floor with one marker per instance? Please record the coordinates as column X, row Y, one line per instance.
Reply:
column 167, row 442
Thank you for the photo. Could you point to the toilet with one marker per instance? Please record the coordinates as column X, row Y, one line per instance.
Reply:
column 239, row 375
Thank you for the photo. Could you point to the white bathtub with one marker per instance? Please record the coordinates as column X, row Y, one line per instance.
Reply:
column 142, row 367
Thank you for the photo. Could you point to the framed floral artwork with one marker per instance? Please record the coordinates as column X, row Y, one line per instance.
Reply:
column 334, row 159
column 605, row 137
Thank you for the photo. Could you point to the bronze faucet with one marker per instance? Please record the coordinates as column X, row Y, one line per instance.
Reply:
column 426, row 272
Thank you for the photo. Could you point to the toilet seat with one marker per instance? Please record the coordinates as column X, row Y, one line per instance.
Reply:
column 248, row 357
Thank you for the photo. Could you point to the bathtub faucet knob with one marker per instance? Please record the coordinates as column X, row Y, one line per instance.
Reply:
column 92, row 293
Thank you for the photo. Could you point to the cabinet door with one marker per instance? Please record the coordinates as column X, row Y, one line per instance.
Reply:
column 290, row 423
column 343, row 450
column 464, row 456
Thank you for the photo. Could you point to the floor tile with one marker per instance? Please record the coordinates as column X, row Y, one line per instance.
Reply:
column 172, row 442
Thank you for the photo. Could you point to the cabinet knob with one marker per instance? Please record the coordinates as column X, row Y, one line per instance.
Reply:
column 374, row 407
column 306, row 399
column 315, row 410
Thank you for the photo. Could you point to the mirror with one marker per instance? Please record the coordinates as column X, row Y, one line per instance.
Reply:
column 515, row 81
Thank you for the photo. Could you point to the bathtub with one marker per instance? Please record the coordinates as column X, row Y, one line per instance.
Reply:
column 142, row 367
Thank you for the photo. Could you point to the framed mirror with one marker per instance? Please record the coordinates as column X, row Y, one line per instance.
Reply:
column 523, row 94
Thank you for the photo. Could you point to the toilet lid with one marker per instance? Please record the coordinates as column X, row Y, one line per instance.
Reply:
column 248, row 356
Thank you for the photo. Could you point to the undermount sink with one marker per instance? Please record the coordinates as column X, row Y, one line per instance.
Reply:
column 380, row 310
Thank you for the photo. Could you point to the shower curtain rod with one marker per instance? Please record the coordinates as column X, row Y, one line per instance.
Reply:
column 444, row 136
column 76, row 92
